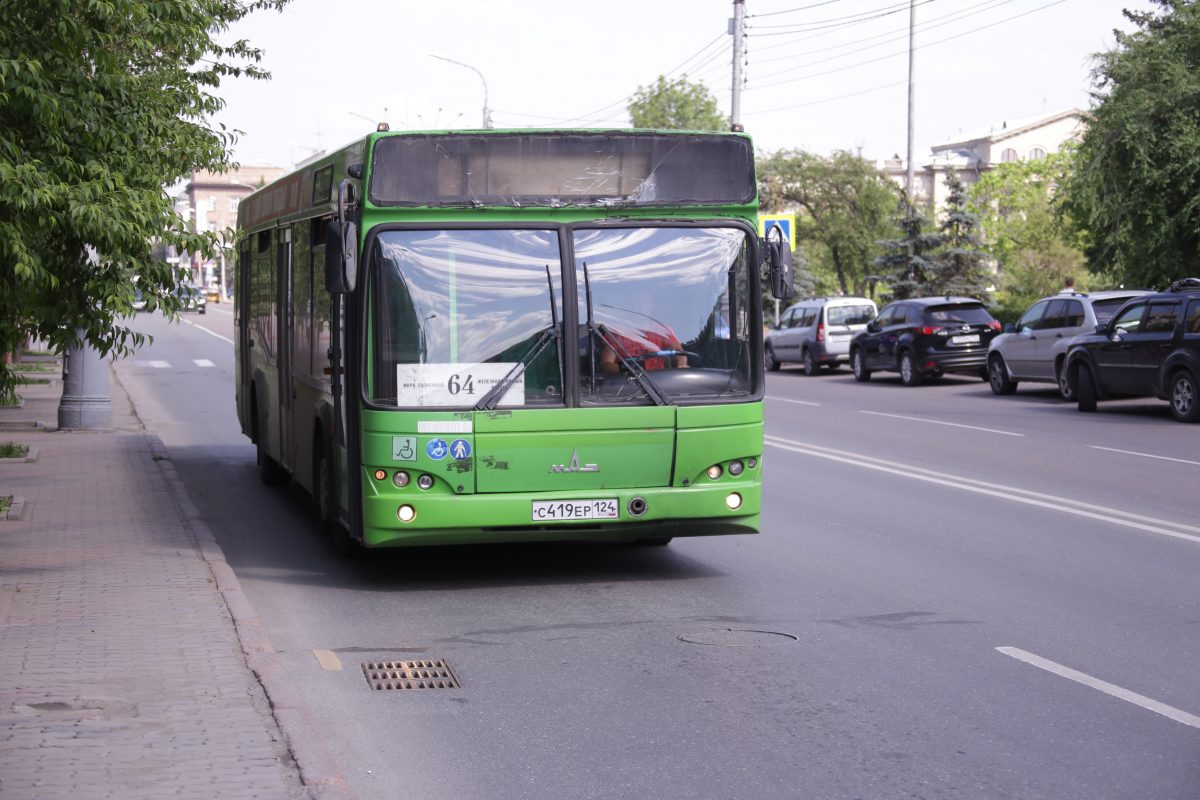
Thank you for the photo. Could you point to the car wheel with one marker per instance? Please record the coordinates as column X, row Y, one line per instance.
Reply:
column 1085, row 389
column 998, row 376
column 861, row 373
column 810, row 364
column 1185, row 400
column 909, row 374
column 1064, row 384
column 771, row 362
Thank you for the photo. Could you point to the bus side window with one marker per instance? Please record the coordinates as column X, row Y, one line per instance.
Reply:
column 321, row 299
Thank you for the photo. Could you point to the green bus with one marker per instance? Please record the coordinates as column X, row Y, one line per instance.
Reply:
column 522, row 335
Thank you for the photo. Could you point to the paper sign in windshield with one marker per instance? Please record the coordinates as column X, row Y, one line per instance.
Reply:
column 455, row 384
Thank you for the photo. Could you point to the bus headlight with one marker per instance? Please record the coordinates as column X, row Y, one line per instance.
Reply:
column 400, row 479
column 406, row 513
column 734, row 501
column 425, row 481
column 735, row 468
column 714, row 472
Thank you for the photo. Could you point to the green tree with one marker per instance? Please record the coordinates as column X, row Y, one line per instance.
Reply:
column 907, row 263
column 102, row 105
column 1136, row 191
column 676, row 105
column 844, row 206
column 1036, row 247
column 959, row 268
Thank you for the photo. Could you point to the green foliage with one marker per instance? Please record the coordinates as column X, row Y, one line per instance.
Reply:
column 103, row 104
column 907, row 264
column 843, row 206
column 1035, row 245
column 960, row 267
column 1136, row 192
column 676, row 105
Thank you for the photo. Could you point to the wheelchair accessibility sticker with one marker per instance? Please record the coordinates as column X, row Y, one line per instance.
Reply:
column 404, row 448
column 436, row 449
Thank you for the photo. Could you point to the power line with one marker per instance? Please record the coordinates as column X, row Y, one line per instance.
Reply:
column 895, row 33
column 829, row 25
column 826, row 99
column 997, row 4
column 905, row 52
column 792, row 10
column 857, row 16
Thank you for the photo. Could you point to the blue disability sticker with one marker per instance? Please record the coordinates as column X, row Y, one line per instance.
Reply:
column 436, row 449
column 460, row 449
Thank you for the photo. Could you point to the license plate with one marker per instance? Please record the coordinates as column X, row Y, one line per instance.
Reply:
column 560, row 510
column 971, row 339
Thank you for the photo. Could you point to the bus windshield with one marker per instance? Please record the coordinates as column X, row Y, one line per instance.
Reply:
column 662, row 316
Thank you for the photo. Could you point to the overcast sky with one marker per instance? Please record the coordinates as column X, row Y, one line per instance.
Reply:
column 820, row 75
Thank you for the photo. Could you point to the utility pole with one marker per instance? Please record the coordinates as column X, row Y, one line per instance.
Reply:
column 912, row 24
column 735, row 30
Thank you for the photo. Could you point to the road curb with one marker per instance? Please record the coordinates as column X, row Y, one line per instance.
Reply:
column 318, row 768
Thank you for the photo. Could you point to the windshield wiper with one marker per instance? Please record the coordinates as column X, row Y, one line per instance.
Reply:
column 639, row 374
column 489, row 400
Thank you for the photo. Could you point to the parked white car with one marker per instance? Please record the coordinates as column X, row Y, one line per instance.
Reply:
column 1035, row 348
column 816, row 332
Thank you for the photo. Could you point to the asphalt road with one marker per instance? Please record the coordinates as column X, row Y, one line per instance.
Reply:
column 954, row 595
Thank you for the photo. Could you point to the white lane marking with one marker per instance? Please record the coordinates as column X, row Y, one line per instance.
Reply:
column 797, row 402
column 1145, row 455
column 939, row 422
column 1078, row 508
column 1167, row 711
column 206, row 330
column 158, row 364
column 203, row 362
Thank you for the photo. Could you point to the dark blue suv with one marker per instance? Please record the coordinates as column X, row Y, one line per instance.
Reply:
column 1150, row 348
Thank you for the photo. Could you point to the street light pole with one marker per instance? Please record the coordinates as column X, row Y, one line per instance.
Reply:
column 487, row 115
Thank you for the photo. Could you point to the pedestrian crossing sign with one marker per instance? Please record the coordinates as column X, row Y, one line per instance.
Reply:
column 785, row 221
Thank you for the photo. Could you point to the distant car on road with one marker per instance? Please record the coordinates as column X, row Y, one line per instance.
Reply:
column 192, row 298
column 816, row 332
column 1035, row 348
column 139, row 302
column 925, row 337
column 1150, row 348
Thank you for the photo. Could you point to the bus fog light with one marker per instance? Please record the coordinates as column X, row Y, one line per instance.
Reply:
column 714, row 472
column 735, row 468
column 425, row 481
column 380, row 474
column 406, row 513
column 400, row 479
column 734, row 501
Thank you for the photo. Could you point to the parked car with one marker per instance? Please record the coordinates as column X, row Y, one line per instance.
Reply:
column 1150, row 348
column 816, row 332
column 192, row 298
column 924, row 337
column 139, row 302
column 1035, row 348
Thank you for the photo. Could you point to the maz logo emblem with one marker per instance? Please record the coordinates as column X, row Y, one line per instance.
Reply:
column 574, row 466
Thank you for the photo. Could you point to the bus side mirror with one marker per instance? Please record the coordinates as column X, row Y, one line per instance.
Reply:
column 779, row 260
column 341, row 262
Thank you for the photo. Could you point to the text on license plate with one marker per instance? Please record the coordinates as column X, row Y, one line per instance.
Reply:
column 558, row 510
column 970, row 339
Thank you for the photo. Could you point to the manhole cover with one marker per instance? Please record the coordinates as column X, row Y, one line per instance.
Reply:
column 736, row 637
column 421, row 674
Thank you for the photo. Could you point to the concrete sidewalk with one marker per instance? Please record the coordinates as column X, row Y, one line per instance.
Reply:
column 131, row 665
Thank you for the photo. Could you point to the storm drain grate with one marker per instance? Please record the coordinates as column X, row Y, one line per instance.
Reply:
column 385, row 675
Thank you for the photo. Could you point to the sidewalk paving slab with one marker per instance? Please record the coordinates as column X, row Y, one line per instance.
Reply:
column 123, row 672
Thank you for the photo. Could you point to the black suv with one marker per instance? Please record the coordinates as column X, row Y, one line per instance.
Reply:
column 1150, row 348
column 925, row 336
